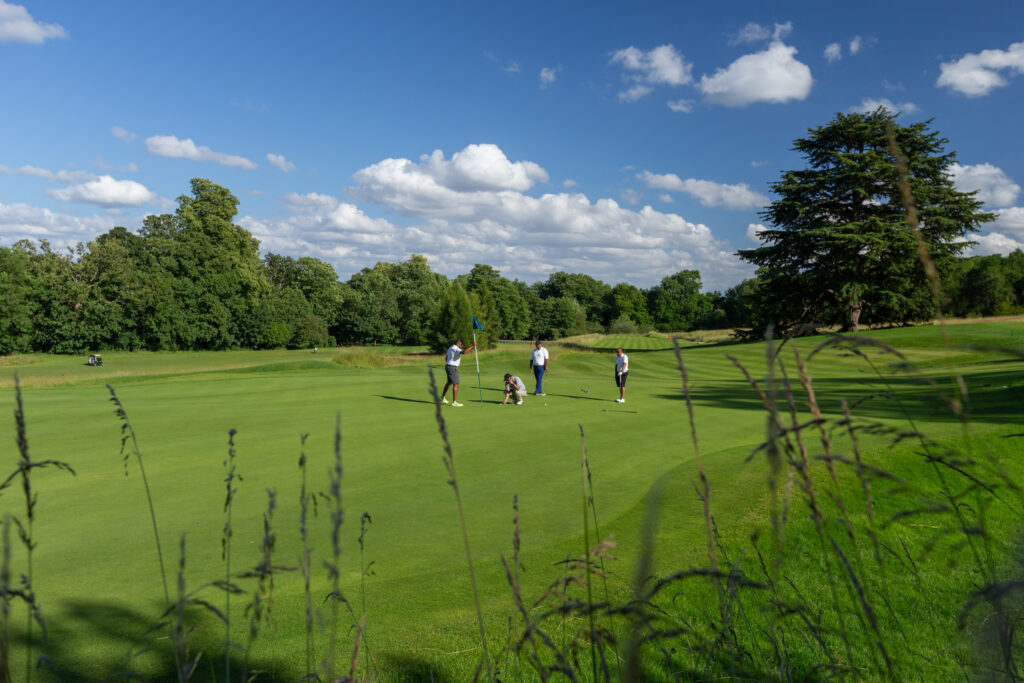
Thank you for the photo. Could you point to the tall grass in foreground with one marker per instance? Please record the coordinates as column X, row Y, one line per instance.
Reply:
column 449, row 463
column 851, row 575
column 128, row 434
column 334, row 565
column 27, row 591
column 891, row 563
column 229, row 498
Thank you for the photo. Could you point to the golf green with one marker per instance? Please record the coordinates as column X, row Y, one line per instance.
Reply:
column 96, row 573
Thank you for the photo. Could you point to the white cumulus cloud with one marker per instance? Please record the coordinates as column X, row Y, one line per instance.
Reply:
column 993, row 243
column 278, row 161
column 462, row 213
column 833, row 52
column 547, row 77
column 754, row 231
column 122, row 134
column 751, row 33
column 481, row 167
column 772, row 75
column 635, row 93
column 855, row 45
column 171, row 146
column 18, row 26
column 975, row 75
column 870, row 104
column 660, row 66
column 994, row 187
column 1010, row 219
column 707, row 192
column 62, row 176
column 20, row 221
column 106, row 191
column 755, row 33
column 681, row 106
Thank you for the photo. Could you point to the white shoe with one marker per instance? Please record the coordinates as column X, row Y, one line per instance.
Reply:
column 456, row 404
column 444, row 400
column 519, row 403
column 620, row 400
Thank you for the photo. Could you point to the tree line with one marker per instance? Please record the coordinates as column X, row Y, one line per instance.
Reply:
column 842, row 247
column 196, row 280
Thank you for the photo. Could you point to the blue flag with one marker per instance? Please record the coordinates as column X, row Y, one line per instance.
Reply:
column 477, row 325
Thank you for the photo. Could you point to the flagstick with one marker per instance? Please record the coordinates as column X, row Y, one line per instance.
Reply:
column 476, row 355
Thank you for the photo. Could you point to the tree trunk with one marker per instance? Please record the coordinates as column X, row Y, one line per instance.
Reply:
column 855, row 317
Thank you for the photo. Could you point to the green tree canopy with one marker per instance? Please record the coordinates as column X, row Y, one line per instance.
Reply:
column 512, row 312
column 625, row 300
column 371, row 313
column 454, row 319
column 316, row 279
column 17, row 303
column 838, row 249
column 590, row 294
column 677, row 303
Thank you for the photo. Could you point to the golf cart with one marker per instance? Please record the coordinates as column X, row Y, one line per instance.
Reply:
column 96, row 359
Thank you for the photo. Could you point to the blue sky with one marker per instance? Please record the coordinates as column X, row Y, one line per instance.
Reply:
column 623, row 140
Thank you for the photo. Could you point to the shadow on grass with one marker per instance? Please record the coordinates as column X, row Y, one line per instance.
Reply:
column 579, row 398
column 992, row 397
column 409, row 669
column 133, row 649
column 407, row 400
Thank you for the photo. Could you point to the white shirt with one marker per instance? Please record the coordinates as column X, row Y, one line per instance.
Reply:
column 539, row 357
column 622, row 363
column 454, row 356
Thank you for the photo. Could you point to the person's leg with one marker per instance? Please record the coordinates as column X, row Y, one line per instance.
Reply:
column 538, row 374
column 453, row 382
column 445, row 391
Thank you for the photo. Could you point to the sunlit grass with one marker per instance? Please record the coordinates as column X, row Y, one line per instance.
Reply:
column 420, row 611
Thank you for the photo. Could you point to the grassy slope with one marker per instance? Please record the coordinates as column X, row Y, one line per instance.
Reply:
column 95, row 565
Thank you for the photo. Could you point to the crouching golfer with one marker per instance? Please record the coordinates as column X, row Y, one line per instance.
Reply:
column 514, row 387
column 621, row 372
column 451, row 368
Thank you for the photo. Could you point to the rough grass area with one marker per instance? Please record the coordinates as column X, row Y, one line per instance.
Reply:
column 785, row 599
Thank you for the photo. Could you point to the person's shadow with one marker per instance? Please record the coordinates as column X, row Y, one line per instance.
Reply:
column 580, row 398
column 407, row 400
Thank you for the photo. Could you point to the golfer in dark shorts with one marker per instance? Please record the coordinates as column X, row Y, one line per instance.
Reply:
column 621, row 374
column 451, row 368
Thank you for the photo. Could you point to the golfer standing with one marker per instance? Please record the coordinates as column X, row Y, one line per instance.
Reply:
column 539, row 364
column 451, row 368
column 621, row 372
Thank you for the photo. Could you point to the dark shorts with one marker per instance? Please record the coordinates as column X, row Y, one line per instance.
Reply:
column 453, row 373
column 620, row 380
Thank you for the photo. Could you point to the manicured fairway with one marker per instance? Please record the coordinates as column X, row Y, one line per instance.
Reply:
column 96, row 571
